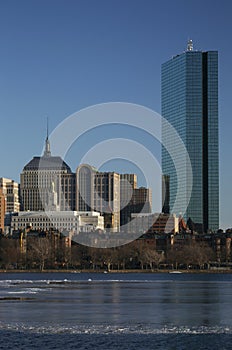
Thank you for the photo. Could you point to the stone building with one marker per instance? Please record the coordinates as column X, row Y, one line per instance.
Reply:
column 43, row 174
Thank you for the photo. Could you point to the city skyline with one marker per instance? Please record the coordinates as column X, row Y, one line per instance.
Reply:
column 59, row 59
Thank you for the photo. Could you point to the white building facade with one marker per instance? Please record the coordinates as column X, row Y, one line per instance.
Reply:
column 64, row 221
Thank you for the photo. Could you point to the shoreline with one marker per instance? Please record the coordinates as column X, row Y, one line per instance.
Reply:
column 119, row 271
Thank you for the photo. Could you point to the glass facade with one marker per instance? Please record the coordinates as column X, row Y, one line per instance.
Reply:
column 190, row 104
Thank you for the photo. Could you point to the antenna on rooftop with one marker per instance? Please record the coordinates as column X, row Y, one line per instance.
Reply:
column 190, row 45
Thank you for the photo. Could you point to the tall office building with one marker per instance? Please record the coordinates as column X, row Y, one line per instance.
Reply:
column 85, row 187
column 132, row 199
column 107, row 198
column 190, row 104
column 128, row 183
column 115, row 196
column 10, row 190
column 99, row 191
column 142, row 200
column 44, row 175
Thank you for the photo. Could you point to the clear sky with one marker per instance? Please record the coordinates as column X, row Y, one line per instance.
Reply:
column 59, row 56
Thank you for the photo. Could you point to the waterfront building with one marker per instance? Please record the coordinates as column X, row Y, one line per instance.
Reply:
column 10, row 190
column 43, row 174
column 190, row 104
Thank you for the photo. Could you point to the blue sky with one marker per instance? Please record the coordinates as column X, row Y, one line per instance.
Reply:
column 59, row 56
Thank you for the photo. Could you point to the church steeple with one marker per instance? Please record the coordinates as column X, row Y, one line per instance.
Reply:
column 47, row 150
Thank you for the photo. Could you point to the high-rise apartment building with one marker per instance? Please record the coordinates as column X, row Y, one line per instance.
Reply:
column 190, row 104
column 44, row 175
column 10, row 190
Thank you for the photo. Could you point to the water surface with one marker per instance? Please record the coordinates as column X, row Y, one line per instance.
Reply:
column 115, row 311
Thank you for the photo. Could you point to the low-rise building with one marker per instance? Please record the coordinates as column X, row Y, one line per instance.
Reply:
column 154, row 223
column 70, row 221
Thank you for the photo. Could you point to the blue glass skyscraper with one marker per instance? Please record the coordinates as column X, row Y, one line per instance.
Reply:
column 190, row 104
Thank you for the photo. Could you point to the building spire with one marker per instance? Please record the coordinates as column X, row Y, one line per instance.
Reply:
column 47, row 150
column 47, row 128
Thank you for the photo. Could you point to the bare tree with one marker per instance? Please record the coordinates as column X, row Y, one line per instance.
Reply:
column 109, row 257
column 40, row 251
column 175, row 257
column 194, row 254
column 126, row 256
column 153, row 257
column 200, row 254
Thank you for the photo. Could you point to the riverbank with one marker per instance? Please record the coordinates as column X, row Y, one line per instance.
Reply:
column 218, row 270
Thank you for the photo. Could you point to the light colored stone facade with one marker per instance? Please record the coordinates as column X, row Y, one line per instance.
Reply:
column 70, row 221
column 39, row 177
column 99, row 191
column 10, row 189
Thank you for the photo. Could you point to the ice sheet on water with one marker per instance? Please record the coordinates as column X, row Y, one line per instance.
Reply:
column 112, row 329
column 43, row 282
column 14, row 282
column 23, row 292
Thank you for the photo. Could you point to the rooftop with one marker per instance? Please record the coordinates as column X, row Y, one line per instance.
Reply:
column 47, row 163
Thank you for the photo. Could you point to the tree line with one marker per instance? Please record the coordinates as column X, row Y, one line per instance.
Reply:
column 45, row 253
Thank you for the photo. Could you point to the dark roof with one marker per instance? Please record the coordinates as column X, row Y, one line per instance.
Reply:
column 47, row 163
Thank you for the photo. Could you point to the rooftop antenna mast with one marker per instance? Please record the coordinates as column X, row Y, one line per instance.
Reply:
column 190, row 45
